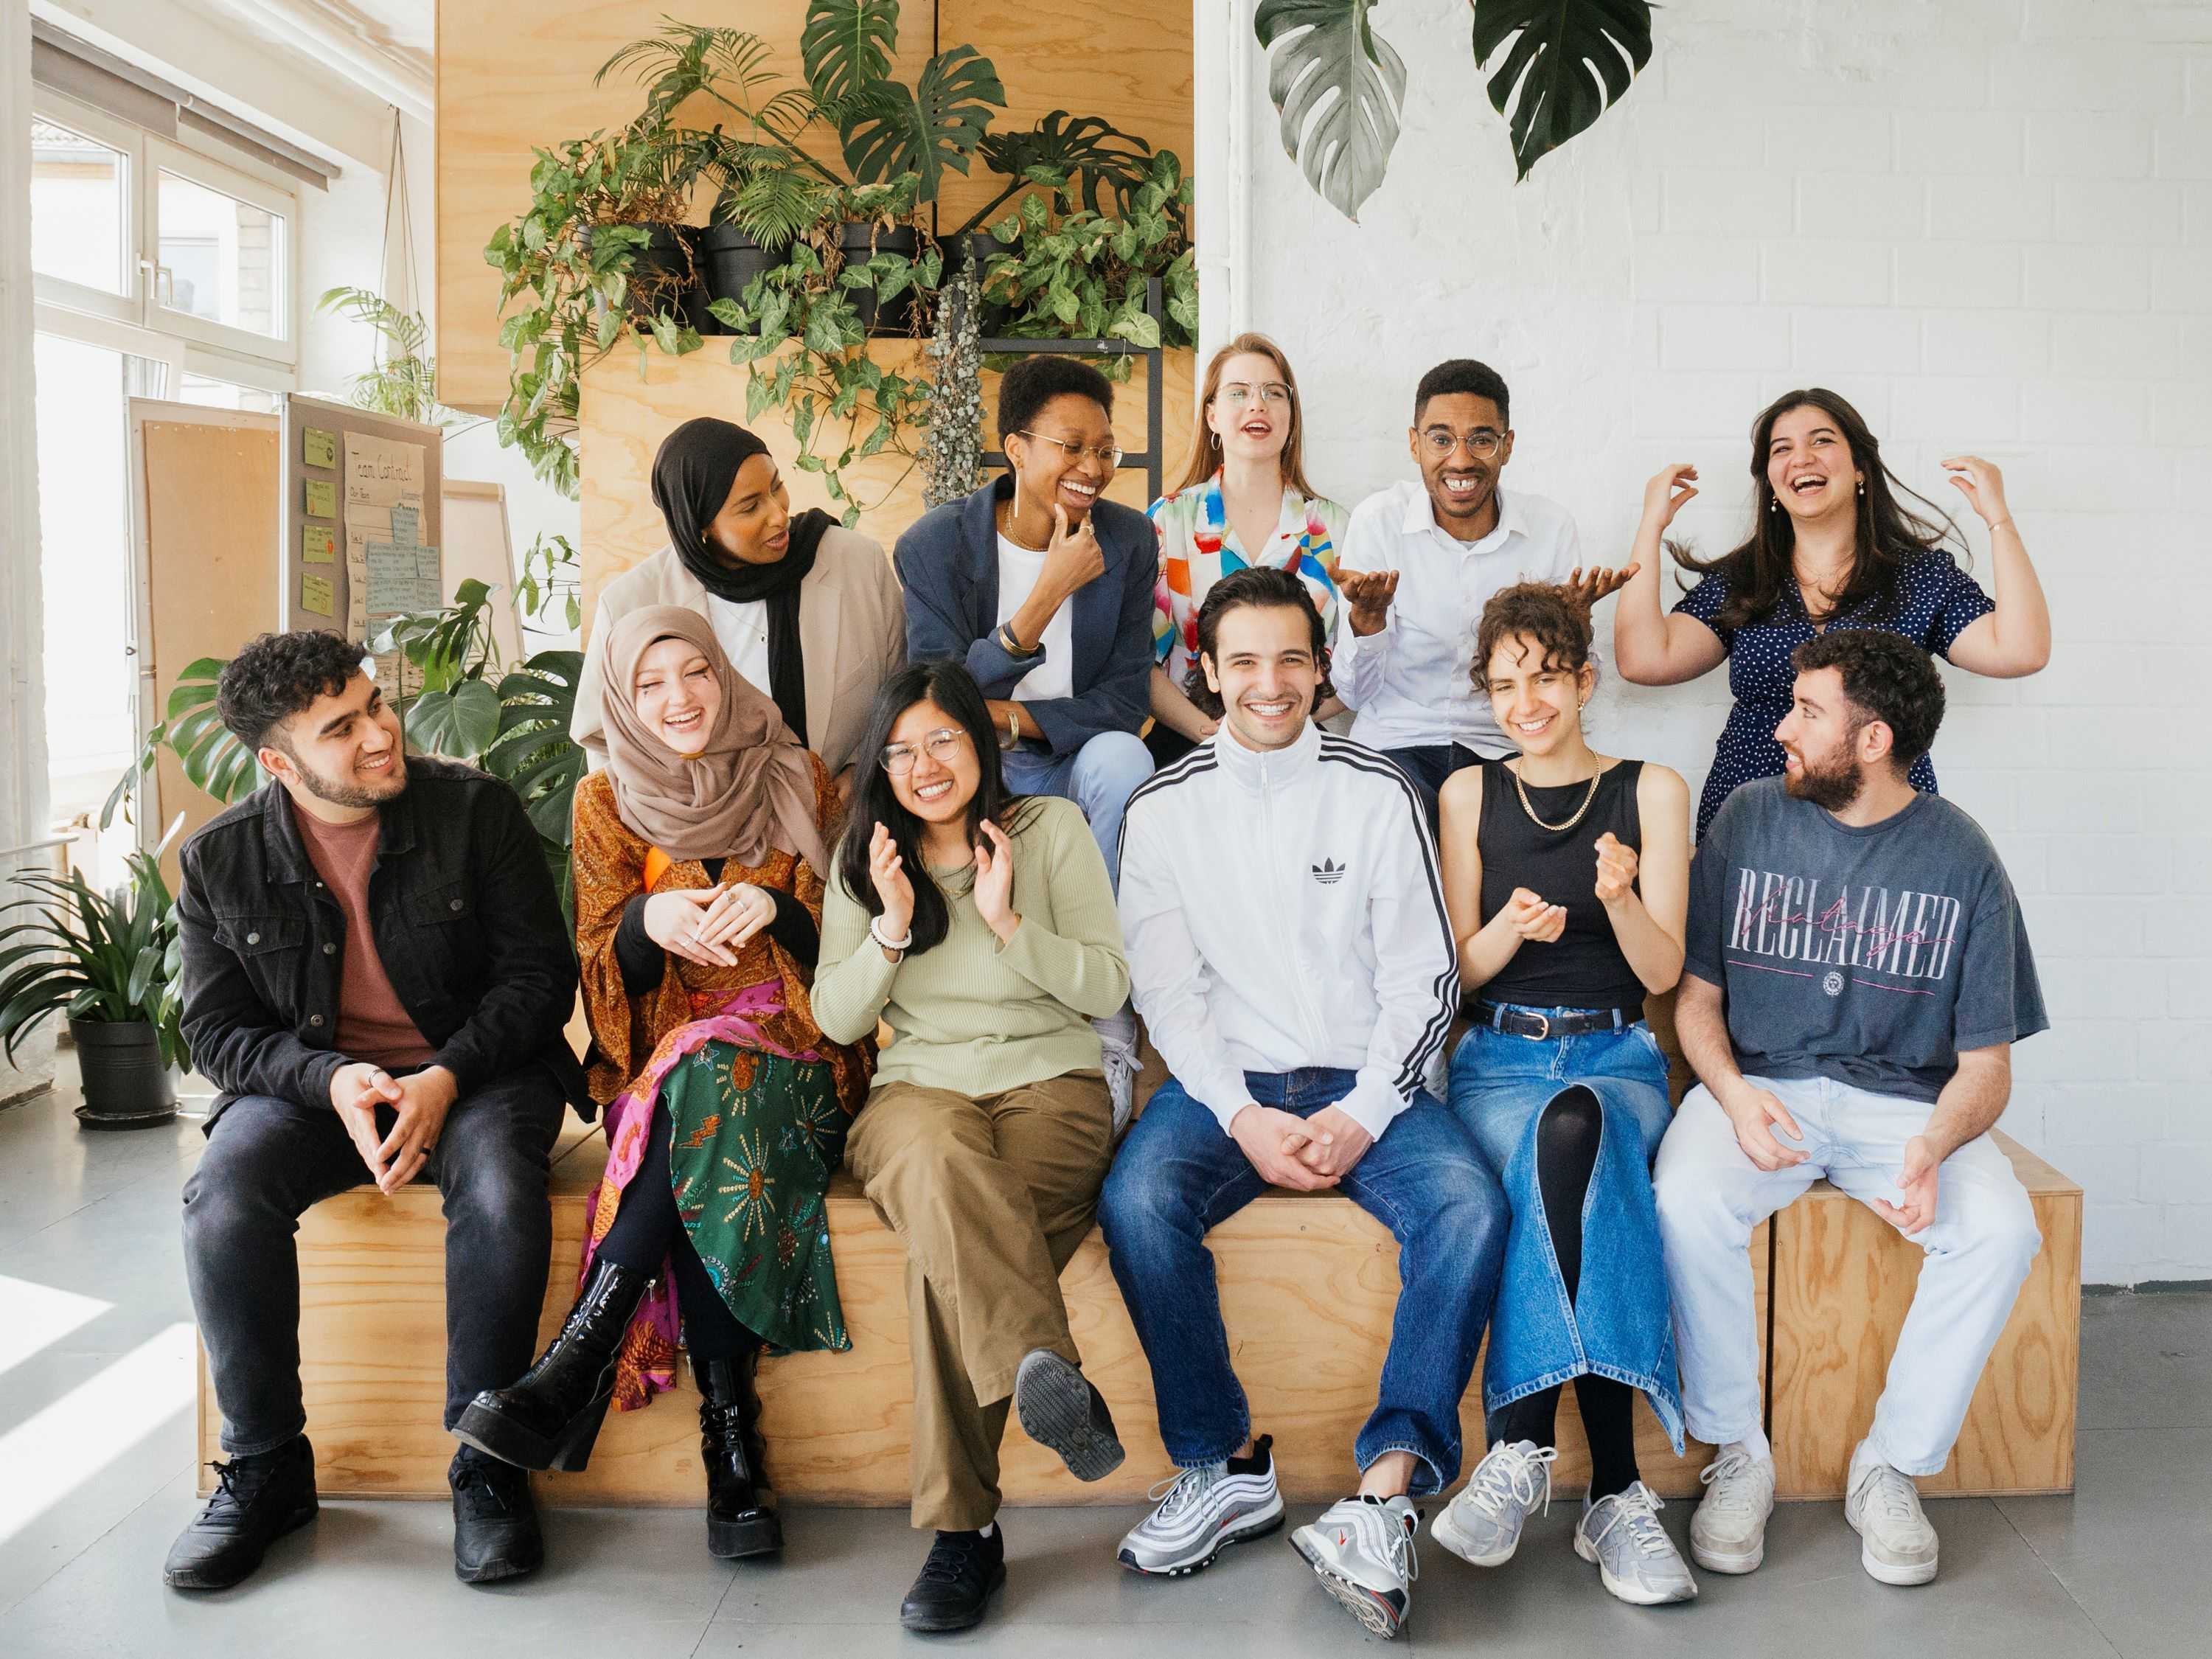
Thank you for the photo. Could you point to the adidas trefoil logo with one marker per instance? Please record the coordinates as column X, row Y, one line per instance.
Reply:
column 1328, row 873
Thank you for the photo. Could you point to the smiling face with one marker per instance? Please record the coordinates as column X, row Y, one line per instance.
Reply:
column 1252, row 409
column 1826, row 745
column 344, row 749
column 1537, row 703
column 1047, row 472
column 1263, row 668
column 754, row 526
column 676, row 694
column 1461, row 486
column 1809, row 466
column 946, row 772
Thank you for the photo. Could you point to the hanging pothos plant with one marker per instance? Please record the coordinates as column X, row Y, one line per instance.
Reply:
column 1339, row 87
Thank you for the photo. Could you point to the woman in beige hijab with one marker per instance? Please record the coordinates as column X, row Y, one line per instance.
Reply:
column 699, row 854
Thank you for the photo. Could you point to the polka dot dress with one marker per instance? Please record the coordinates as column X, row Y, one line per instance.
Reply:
column 1935, row 602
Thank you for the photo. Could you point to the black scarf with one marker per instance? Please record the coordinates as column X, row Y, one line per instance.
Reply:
column 692, row 475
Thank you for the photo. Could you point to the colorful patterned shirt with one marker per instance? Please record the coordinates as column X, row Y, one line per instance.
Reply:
column 1199, row 547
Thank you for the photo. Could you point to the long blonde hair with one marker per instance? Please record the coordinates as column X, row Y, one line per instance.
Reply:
column 1206, row 444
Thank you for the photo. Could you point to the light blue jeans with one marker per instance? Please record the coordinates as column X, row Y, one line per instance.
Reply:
column 1099, row 777
column 1616, row 1324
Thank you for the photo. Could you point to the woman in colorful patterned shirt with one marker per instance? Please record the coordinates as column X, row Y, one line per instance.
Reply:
column 1243, row 501
column 699, row 859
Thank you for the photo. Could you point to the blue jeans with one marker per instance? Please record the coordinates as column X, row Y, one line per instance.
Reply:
column 1178, row 1176
column 1618, row 1323
column 1099, row 777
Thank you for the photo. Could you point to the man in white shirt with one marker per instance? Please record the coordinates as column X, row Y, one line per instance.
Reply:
column 1420, row 562
column 1290, row 951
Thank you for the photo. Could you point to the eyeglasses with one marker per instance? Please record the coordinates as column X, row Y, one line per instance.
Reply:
column 1271, row 395
column 1108, row 457
column 943, row 744
column 1481, row 443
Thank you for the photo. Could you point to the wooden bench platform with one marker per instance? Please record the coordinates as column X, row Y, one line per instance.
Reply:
column 1309, row 1283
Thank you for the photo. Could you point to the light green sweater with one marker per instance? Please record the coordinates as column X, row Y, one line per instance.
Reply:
column 973, row 1015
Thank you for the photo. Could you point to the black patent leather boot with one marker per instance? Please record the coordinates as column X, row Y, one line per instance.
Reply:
column 739, row 1522
column 551, row 1417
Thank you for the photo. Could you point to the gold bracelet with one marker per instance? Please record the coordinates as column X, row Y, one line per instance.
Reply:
column 1014, row 728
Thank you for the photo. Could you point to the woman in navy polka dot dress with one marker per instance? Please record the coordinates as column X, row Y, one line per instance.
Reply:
column 1832, row 546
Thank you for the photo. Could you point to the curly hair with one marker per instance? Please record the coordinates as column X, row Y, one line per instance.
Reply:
column 1261, row 585
column 1463, row 374
column 1546, row 613
column 1886, row 678
column 1032, row 383
column 277, row 675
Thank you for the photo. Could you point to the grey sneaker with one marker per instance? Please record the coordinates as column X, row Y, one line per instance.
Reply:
column 1202, row 1511
column 1729, row 1532
column 1883, row 1506
column 1635, row 1560
column 1482, row 1525
column 1119, row 1059
column 1362, row 1551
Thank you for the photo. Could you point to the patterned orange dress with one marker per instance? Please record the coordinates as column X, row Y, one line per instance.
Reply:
column 758, row 1099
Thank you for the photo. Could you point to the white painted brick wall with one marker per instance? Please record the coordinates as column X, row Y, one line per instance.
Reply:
column 1989, row 223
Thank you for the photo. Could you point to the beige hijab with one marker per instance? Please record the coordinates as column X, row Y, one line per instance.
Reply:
column 749, row 789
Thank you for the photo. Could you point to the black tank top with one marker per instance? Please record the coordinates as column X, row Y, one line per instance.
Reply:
column 1584, row 967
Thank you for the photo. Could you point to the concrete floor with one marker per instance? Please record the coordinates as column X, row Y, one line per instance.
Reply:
column 95, row 1478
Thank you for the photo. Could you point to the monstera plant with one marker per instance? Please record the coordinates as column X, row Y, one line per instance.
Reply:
column 1338, row 85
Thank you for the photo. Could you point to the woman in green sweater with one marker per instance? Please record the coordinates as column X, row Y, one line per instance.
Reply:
column 980, row 926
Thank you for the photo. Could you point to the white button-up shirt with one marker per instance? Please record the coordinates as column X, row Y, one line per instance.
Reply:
column 1412, row 682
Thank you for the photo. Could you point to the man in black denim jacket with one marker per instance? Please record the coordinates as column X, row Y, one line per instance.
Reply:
column 376, row 973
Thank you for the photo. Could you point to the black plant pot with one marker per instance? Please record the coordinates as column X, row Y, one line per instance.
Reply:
column 992, row 318
column 856, row 241
column 665, row 276
column 730, row 261
column 126, row 1086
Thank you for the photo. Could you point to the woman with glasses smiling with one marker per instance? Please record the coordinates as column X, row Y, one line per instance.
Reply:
column 980, row 926
column 1243, row 501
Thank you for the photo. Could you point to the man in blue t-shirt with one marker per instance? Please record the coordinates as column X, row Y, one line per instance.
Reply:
column 1856, row 974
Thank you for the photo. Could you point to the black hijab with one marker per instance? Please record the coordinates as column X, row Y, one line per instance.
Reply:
column 692, row 475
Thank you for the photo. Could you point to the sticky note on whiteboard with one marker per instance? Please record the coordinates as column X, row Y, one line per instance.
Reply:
column 316, row 595
column 318, row 448
column 322, row 498
column 318, row 544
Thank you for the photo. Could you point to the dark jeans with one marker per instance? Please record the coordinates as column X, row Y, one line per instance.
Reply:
column 1428, row 765
column 1178, row 1176
column 649, row 1230
column 268, row 1160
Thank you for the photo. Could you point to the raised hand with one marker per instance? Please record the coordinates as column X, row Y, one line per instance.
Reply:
column 1616, row 869
column 1670, row 487
column 995, row 882
column 1368, row 592
column 1533, row 919
column 887, row 874
column 1983, row 486
column 1073, row 556
column 1589, row 586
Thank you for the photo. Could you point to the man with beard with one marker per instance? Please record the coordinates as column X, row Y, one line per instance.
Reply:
column 1856, row 972
column 376, row 973
column 1421, row 559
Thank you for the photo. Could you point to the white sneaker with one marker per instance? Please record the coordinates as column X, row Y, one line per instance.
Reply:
column 1728, row 1533
column 1118, row 1060
column 1201, row 1512
column 1899, row 1545
column 1636, row 1561
column 1362, row 1551
column 1482, row 1525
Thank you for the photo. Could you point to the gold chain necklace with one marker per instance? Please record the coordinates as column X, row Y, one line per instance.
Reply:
column 1521, row 788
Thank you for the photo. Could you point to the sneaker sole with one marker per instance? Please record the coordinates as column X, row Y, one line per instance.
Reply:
column 1903, row 1576
column 1251, row 1528
column 1054, row 1401
column 1714, row 1561
column 496, row 1436
column 1375, row 1615
column 493, row 1572
column 939, row 1626
column 1446, row 1532
column 1635, row 1595
column 189, row 1580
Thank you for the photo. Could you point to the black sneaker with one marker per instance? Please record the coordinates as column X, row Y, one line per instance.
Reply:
column 258, row 1499
column 494, row 1522
column 956, row 1581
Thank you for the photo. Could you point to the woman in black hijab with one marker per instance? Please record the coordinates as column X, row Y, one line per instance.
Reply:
column 807, row 612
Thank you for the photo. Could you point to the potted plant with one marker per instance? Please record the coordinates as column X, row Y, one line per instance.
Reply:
column 109, row 965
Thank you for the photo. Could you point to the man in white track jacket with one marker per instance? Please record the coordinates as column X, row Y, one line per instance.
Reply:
column 1290, row 955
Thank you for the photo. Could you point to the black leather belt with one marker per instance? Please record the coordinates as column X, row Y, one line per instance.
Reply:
column 1522, row 1021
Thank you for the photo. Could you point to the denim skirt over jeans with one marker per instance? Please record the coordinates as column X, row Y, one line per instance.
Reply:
column 1618, row 1323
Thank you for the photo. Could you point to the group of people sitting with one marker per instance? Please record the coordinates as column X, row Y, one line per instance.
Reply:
column 880, row 868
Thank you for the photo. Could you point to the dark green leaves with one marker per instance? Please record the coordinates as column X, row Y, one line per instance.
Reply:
column 1338, row 87
column 848, row 47
column 1569, row 60
column 930, row 131
column 85, row 955
column 1084, row 152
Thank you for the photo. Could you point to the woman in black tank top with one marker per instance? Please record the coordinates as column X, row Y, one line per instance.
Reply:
column 1567, row 876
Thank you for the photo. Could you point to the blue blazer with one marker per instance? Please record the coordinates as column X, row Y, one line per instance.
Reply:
column 948, row 562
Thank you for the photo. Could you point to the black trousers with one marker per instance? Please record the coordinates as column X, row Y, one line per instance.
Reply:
column 648, row 1231
column 268, row 1160
column 1430, row 766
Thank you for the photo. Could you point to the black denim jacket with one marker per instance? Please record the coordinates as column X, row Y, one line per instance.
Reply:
column 468, row 926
